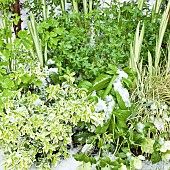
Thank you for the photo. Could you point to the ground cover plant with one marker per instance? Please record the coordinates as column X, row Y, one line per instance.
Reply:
column 94, row 78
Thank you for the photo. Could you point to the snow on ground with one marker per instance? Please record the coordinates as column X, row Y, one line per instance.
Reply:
column 147, row 165
column 1, row 160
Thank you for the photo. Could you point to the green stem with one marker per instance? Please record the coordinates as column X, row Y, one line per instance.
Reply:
column 63, row 5
column 85, row 6
column 44, row 9
column 117, row 146
column 90, row 5
column 75, row 6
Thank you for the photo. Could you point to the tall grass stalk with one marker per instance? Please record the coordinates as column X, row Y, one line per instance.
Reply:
column 140, row 4
column 44, row 6
column 37, row 42
column 85, row 6
column 44, row 18
column 155, row 9
column 150, row 67
column 135, row 50
column 75, row 6
column 168, row 60
column 162, row 29
column 90, row 5
column 63, row 3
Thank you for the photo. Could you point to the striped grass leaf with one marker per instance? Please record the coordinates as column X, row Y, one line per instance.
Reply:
column 135, row 50
column 75, row 5
column 156, row 9
column 168, row 60
column 140, row 4
column 162, row 29
column 85, row 6
column 37, row 42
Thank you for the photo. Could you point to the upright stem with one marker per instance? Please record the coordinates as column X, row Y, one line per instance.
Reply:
column 75, row 6
column 63, row 5
column 85, row 6
column 90, row 5
column 45, row 17
column 16, row 10
column 44, row 9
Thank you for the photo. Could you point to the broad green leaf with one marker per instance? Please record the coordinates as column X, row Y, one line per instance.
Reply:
column 101, row 82
column 22, row 34
column 105, row 161
column 113, row 69
column 27, row 43
column 137, row 163
column 121, row 118
column 26, row 78
column 8, row 83
column 123, row 167
column 82, row 137
column 128, row 82
column 84, row 158
column 120, row 101
column 38, row 83
column 85, row 84
column 122, row 114
column 100, row 93
column 155, row 157
column 102, row 129
column 109, row 87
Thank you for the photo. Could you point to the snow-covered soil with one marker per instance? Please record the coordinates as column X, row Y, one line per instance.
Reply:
column 72, row 164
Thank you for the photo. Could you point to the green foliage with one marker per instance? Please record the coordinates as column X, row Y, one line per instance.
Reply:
column 112, row 135
column 42, row 110
column 70, row 36
column 38, row 127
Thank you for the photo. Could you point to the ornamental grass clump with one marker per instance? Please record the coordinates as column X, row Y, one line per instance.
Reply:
column 163, row 89
column 151, row 95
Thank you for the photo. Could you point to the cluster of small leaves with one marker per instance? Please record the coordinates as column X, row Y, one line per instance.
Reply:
column 36, row 128
column 69, row 37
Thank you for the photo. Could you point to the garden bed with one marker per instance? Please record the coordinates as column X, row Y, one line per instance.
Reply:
column 85, row 88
